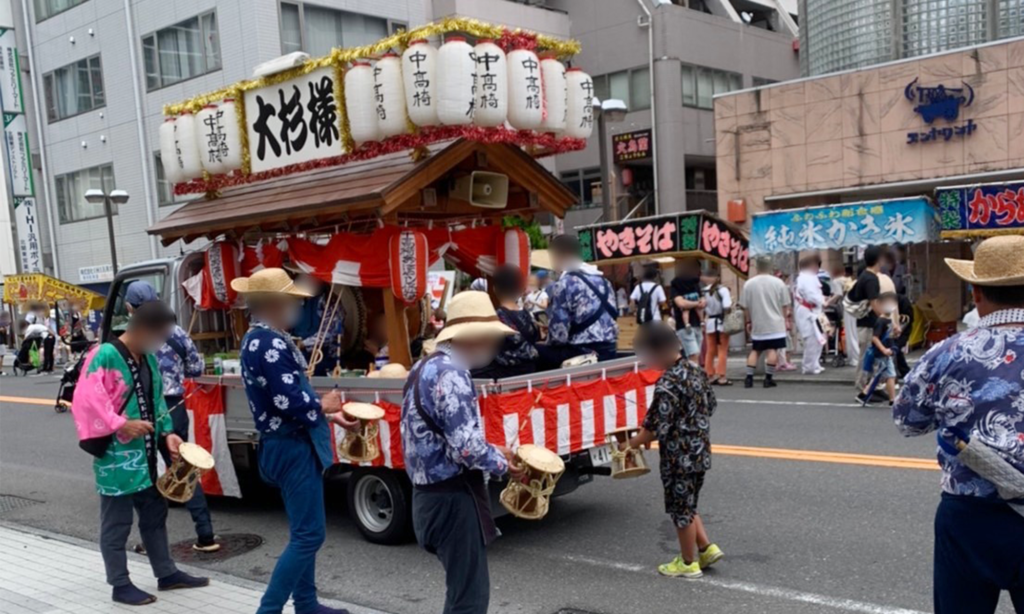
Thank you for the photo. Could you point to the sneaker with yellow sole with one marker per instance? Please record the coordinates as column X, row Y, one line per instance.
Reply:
column 711, row 555
column 679, row 568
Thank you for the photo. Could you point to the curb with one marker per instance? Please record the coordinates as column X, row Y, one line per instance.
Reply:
column 189, row 569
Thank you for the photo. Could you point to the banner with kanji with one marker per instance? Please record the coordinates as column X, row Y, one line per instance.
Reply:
column 981, row 210
column 904, row 220
column 695, row 233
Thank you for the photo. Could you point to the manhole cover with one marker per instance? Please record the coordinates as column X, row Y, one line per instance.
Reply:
column 12, row 502
column 574, row 611
column 231, row 544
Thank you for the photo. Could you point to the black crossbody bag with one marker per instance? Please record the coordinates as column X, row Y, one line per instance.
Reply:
column 98, row 446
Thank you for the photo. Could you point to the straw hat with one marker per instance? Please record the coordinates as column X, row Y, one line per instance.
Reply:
column 541, row 259
column 268, row 281
column 471, row 315
column 392, row 370
column 998, row 261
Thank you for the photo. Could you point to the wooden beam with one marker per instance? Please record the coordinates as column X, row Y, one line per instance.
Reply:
column 398, row 329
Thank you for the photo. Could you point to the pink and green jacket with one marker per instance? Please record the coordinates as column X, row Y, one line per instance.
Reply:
column 102, row 389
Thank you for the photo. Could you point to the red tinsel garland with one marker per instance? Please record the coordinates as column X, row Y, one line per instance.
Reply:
column 547, row 144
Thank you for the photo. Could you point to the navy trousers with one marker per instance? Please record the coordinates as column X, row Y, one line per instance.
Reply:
column 116, row 515
column 289, row 462
column 447, row 525
column 979, row 552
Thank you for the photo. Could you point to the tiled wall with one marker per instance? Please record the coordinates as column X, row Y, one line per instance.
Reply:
column 851, row 129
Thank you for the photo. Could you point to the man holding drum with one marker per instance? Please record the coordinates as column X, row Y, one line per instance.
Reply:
column 120, row 415
column 446, row 454
column 295, row 440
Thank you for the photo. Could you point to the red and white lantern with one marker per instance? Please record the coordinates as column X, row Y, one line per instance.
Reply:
column 409, row 258
column 514, row 249
column 222, row 266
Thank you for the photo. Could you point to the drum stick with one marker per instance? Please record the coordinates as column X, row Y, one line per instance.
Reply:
column 522, row 427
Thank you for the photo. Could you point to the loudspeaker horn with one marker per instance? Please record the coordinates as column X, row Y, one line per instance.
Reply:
column 482, row 189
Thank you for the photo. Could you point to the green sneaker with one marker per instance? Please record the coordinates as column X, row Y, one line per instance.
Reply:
column 679, row 568
column 711, row 555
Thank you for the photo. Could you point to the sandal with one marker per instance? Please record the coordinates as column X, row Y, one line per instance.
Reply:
column 723, row 382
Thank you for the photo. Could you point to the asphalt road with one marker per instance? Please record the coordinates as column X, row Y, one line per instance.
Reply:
column 799, row 536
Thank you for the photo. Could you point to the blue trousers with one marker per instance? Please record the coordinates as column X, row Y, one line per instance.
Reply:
column 979, row 552
column 116, row 526
column 447, row 526
column 290, row 463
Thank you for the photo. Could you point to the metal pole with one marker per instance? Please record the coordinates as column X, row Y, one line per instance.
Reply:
column 654, row 109
column 110, row 232
column 149, row 184
column 606, row 192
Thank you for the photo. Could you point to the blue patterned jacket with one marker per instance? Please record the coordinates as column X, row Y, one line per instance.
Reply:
column 573, row 302
column 973, row 382
column 173, row 369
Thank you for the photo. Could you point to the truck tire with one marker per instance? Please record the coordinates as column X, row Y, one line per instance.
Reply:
column 380, row 503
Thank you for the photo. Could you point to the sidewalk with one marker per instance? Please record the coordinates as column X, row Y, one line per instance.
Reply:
column 44, row 573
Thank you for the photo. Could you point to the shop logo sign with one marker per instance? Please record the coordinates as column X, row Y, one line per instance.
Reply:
column 940, row 102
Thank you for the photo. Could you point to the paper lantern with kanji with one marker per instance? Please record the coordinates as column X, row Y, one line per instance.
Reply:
column 232, row 158
column 456, row 68
column 409, row 257
column 553, row 73
column 579, row 110
column 419, row 72
column 387, row 76
column 491, row 107
column 222, row 266
column 186, row 146
column 525, row 95
column 361, row 103
column 514, row 249
column 168, row 152
column 208, row 137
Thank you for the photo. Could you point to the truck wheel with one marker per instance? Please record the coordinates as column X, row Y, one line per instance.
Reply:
column 380, row 502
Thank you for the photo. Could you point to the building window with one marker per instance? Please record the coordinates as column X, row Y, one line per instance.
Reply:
column 73, row 89
column 701, row 84
column 165, row 189
column 1011, row 18
column 48, row 8
column 71, row 190
column 631, row 86
column 182, row 51
column 583, row 183
column 930, row 27
column 316, row 29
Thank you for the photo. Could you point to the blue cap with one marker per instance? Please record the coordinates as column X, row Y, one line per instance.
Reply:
column 140, row 292
column 541, row 274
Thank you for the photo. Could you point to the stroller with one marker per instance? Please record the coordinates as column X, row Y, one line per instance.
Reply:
column 835, row 346
column 29, row 355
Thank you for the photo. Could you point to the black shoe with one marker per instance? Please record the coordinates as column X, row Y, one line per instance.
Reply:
column 862, row 398
column 769, row 382
column 206, row 544
column 130, row 595
column 748, row 382
column 180, row 579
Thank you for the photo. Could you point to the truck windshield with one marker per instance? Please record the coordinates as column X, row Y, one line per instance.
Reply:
column 119, row 315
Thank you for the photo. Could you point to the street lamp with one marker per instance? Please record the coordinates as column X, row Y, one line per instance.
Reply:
column 611, row 110
column 118, row 197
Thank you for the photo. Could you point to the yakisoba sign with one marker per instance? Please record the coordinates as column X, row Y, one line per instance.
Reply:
column 403, row 92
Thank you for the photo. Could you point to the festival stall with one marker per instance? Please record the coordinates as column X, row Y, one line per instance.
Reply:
column 978, row 211
column 39, row 288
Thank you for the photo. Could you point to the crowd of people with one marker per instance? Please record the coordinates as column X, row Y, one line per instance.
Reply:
column 525, row 323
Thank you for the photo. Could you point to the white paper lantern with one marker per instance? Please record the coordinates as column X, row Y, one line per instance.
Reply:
column 455, row 81
column 186, row 146
column 232, row 158
column 553, row 73
column 209, row 138
column 390, row 94
column 579, row 111
column 491, row 108
column 168, row 152
column 361, row 103
column 525, row 95
column 419, row 72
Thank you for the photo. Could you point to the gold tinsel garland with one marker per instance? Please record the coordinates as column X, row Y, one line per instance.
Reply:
column 339, row 59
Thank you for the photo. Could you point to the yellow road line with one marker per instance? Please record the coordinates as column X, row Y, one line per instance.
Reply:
column 814, row 456
column 26, row 400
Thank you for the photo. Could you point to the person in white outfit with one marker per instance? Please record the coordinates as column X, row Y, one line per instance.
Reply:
column 810, row 300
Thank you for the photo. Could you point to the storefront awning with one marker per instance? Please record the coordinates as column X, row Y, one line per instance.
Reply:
column 902, row 220
column 697, row 234
column 39, row 288
column 981, row 210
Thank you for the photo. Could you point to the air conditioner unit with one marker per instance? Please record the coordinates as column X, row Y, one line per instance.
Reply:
column 482, row 189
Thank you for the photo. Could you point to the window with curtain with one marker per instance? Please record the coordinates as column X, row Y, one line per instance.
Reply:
column 701, row 84
column 48, row 8
column 317, row 29
column 631, row 86
column 182, row 51
column 71, row 187
column 639, row 89
column 73, row 89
